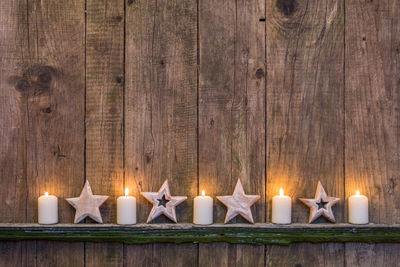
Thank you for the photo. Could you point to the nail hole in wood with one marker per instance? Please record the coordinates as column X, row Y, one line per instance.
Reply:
column 47, row 110
column 119, row 79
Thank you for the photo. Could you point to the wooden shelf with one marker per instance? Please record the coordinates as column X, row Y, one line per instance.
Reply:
column 184, row 233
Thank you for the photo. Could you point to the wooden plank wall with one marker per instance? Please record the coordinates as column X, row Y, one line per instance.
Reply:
column 278, row 93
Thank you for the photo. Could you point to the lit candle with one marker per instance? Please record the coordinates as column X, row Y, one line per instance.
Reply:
column 281, row 209
column 358, row 209
column 126, row 209
column 203, row 209
column 47, row 209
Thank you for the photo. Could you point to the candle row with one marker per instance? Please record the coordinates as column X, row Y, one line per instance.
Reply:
column 203, row 209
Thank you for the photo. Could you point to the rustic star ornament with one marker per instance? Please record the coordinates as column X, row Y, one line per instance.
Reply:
column 320, row 199
column 163, row 203
column 239, row 203
column 87, row 204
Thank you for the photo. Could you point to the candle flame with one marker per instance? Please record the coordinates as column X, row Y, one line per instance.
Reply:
column 203, row 193
column 46, row 193
column 358, row 192
column 281, row 191
column 126, row 191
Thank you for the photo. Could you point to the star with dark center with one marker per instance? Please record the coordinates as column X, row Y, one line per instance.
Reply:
column 163, row 203
column 320, row 205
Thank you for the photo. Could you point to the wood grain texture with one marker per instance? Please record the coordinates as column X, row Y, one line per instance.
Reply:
column 372, row 106
column 104, row 116
column 305, row 101
column 329, row 112
column 305, row 114
column 372, row 149
column 87, row 205
column 13, row 110
column 50, row 253
column 55, row 114
column 161, row 118
column 158, row 209
column 55, row 134
column 14, row 56
column 370, row 255
column 320, row 198
column 17, row 254
column 189, row 233
column 306, row 254
column 232, row 113
column 238, row 204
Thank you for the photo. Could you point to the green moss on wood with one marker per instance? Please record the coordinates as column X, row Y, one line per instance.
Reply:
column 236, row 235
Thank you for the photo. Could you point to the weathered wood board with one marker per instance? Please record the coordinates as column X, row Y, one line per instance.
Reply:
column 128, row 93
column 372, row 147
column 305, row 116
column 13, row 117
column 161, row 114
column 48, row 83
column 104, row 116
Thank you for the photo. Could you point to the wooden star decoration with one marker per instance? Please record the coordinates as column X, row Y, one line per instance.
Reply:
column 239, row 203
column 163, row 203
column 320, row 199
column 87, row 204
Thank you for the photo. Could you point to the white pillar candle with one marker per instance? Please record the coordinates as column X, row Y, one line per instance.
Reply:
column 126, row 209
column 358, row 209
column 281, row 209
column 203, row 209
column 47, row 209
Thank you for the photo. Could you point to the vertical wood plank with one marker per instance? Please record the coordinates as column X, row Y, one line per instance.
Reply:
column 372, row 119
column 56, row 103
column 306, row 254
column 55, row 115
column 232, row 115
column 160, row 108
column 104, row 116
column 305, row 120
column 372, row 106
column 13, row 115
column 59, row 254
column 370, row 255
column 17, row 254
column 14, row 92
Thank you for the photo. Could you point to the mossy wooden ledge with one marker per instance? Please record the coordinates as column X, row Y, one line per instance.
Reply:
column 189, row 233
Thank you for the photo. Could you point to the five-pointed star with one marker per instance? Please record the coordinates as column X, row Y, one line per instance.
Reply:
column 87, row 204
column 314, row 203
column 239, row 203
column 163, row 203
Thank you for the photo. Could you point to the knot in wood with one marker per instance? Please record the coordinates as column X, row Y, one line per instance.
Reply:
column 44, row 77
column 286, row 7
column 119, row 79
column 260, row 73
column 22, row 86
